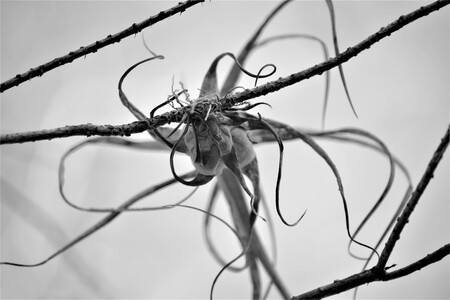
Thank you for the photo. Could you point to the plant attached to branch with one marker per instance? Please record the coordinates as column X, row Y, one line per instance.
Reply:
column 220, row 136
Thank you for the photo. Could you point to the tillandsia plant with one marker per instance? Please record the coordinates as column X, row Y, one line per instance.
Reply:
column 220, row 134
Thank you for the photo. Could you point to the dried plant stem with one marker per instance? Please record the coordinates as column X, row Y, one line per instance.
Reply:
column 229, row 100
column 94, row 47
column 379, row 273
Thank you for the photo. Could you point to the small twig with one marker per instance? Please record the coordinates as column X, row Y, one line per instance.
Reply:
column 365, row 277
column 94, row 47
column 421, row 263
column 338, row 286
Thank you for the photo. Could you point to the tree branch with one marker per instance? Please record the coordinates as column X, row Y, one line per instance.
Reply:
column 378, row 273
column 365, row 277
column 340, row 59
column 94, row 130
column 92, row 48
column 421, row 263
column 403, row 219
column 229, row 100
column 74, row 130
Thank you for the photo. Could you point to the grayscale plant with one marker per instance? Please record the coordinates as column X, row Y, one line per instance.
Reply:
column 220, row 131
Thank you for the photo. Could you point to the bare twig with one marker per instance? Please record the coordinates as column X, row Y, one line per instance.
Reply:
column 94, row 47
column 403, row 219
column 338, row 286
column 92, row 130
column 421, row 263
column 378, row 273
column 229, row 100
column 75, row 130
column 365, row 277
column 351, row 52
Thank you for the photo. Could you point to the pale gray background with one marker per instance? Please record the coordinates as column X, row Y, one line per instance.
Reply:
column 399, row 88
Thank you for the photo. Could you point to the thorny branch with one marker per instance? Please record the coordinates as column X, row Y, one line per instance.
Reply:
column 379, row 273
column 81, row 130
column 230, row 100
column 94, row 47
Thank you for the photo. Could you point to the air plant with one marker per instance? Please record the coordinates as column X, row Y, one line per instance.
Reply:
column 220, row 138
